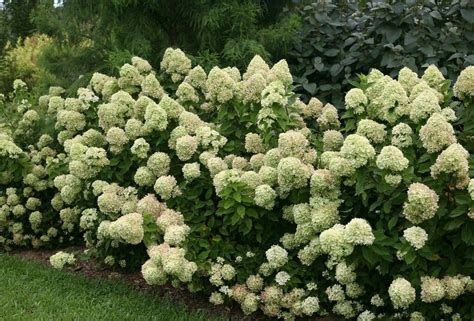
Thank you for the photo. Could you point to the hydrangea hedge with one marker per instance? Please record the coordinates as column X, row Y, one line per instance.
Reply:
column 228, row 184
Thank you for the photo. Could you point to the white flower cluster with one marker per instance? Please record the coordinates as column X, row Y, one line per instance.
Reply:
column 339, row 240
column 221, row 272
column 392, row 159
column 356, row 100
column 61, row 259
column 437, row 133
column 220, row 86
column 464, row 86
column 166, row 261
column 401, row 293
column 416, row 236
column 470, row 188
column 453, row 161
column 86, row 162
column 127, row 228
column 372, row 130
column 166, row 187
column 171, row 223
column 421, row 205
column 149, row 205
column 114, row 200
column 69, row 187
column 449, row 287
column 176, row 64
column 265, row 196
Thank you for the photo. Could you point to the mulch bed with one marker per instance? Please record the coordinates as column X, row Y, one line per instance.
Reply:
column 194, row 301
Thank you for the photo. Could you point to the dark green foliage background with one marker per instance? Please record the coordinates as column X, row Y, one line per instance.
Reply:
column 327, row 43
column 228, row 32
column 15, row 20
column 343, row 38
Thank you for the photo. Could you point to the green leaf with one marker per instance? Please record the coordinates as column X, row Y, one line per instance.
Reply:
column 237, row 196
column 251, row 212
column 458, row 212
column 435, row 14
column 393, row 34
column 203, row 255
column 424, row 158
column 241, row 211
column 454, row 224
column 468, row 15
column 427, row 252
column 311, row 88
column 335, row 69
column 380, row 250
column 369, row 256
column 410, row 257
column 470, row 59
column 228, row 203
column 203, row 243
column 463, row 199
column 387, row 207
column 392, row 222
column 467, row 233
column 234, row 219
column 424, row 167
column 247, row 226
column 331, row 52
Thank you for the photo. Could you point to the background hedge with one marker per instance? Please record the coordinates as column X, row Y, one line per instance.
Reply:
column 340, row 39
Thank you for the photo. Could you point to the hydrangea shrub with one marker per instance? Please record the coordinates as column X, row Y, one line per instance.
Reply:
column 228, row 184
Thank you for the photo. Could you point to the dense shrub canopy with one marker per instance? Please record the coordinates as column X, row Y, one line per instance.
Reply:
column 326, row 42
column 225, row 182
column 343, row 38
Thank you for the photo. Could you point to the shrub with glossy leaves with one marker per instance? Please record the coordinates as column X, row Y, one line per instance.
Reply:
column 343, row 38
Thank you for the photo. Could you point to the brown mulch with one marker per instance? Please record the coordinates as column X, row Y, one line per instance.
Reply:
column 194, row 301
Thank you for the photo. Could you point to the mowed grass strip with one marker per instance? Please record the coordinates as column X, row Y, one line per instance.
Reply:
column 33, row 291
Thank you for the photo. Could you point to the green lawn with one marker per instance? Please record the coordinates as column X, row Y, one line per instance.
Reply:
column 32, row 291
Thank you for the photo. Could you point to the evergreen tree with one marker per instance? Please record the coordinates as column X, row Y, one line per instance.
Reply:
column 15, row 20
column 102, row 34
